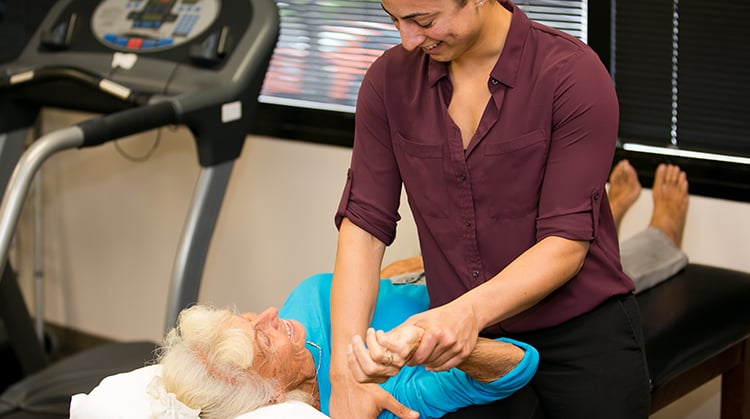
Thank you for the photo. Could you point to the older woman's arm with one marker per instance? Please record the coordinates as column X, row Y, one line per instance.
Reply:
column 493, row 371
column 385, row 353
column 491, row 359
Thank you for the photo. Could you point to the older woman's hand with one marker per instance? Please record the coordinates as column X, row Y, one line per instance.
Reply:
column 450, row 334
column 384, row 354
column 401, row 342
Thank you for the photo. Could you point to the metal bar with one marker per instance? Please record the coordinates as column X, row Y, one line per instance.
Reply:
column 23, row 174
column 196, row 238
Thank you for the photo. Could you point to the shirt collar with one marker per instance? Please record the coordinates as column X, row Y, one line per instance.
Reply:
column 507, row 67
column 436, row 70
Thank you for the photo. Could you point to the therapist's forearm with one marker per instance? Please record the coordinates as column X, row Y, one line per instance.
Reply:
column 354, row 289
column 536, row 273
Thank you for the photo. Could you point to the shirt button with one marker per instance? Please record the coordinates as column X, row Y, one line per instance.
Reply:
column 494, row 81
column 475, row 274
column 462, row 177
column 467, row 222
column 596, row 196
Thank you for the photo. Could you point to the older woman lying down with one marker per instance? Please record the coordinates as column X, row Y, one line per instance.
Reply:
column 220, row 364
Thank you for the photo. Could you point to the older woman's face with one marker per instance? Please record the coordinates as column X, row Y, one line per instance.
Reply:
column 279, row 347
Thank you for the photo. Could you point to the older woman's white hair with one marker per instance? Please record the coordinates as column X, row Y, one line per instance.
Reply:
column 207, row 363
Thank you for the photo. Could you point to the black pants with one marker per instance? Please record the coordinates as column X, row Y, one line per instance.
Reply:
column 593, row 366
column 523, row 404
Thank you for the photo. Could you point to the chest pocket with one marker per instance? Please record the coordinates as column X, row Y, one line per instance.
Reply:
column 423, row 171
column 513, row 171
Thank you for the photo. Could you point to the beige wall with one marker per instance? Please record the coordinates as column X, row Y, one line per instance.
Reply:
column 111, row 227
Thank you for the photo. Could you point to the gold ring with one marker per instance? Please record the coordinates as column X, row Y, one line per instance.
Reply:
column 390, row 358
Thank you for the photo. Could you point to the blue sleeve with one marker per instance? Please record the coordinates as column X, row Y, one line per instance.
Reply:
column 435, row 394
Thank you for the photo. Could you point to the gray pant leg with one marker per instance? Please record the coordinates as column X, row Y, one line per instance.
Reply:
column 650, row 258
column 409, row 278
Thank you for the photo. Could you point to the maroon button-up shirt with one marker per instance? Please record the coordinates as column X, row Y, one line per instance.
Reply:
column 535, row 167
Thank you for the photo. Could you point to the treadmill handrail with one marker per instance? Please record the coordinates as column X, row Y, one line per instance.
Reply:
column 110, row 127
column 22, row 176
column 103, row 84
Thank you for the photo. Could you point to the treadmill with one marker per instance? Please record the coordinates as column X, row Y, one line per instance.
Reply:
column 138, row 65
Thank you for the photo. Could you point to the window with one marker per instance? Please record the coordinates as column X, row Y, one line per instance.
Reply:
column 325, row 47
column 681, row 74
column 324, row 50
column 680, row 70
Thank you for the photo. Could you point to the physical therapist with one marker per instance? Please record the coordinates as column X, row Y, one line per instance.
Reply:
column 502, row 132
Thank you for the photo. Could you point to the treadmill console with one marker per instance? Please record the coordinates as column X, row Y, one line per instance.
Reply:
column 151, row 25
column 209, row 57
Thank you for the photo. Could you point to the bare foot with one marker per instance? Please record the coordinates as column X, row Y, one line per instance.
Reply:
column 403, row 266
column 670, row 193
column 624, row 189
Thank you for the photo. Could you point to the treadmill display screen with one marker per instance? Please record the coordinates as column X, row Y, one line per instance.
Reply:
column 156, row 11
column 152, row 25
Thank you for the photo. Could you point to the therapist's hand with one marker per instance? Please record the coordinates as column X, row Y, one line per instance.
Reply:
column 350, row 399
column 450, row 334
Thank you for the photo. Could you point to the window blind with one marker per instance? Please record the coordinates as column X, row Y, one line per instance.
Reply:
column 681, row 73
column 326, row 46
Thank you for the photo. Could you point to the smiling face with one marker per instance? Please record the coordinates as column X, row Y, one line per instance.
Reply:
column 227, row 364
column 279, row 347
column 443, row 29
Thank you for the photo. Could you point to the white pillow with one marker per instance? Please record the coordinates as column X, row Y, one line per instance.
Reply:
column 126, row 396
column 287, row 410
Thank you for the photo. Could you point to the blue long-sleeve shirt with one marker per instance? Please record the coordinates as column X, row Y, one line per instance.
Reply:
column 432, row 394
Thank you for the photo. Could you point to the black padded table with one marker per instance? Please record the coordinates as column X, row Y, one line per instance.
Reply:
column 696, row 326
